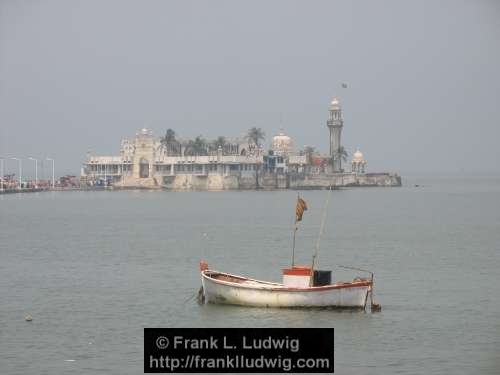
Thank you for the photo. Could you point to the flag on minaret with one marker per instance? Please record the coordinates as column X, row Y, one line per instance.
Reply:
column 299, row 210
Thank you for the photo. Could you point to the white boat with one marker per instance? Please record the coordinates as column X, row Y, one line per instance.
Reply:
column 225, row 288
column 302, row 286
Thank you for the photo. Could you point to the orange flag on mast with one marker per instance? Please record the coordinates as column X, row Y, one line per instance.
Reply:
column 299, row 210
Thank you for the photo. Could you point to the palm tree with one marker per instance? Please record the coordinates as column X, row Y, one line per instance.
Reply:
column 343, row 153
column 169, row 138
column 198, row 146
column 219, row 142
column 309, row 152
column 255, row 135
column 340, row 154
column 169, row 142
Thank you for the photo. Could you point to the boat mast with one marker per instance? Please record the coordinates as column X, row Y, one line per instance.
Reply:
column 323, row 220
column 295, row 227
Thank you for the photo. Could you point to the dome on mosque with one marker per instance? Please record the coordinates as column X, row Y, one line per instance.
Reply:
column 282, row 142
column 358, row 156
column 145, row 132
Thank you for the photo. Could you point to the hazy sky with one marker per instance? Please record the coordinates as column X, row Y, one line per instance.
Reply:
column 423, row 77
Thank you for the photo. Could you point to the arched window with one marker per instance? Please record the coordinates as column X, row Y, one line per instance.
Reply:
column 143, row 168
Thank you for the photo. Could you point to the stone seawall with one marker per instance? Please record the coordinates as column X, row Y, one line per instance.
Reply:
column 344, row 180
column 277, row 181
column 194, row 182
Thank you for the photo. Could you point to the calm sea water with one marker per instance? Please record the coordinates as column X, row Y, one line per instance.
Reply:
column 95, row 268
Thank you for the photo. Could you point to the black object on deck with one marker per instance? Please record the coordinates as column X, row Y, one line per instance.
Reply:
column 322, row 278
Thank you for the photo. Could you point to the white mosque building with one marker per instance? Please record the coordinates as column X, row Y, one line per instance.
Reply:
column 144, row 161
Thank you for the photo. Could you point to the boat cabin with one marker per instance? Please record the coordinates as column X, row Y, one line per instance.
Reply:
column 304, row 277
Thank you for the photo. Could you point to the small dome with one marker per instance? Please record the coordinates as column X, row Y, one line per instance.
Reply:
column 281, row 136
column 281, row 142
column 358, row 156
column 145, row 132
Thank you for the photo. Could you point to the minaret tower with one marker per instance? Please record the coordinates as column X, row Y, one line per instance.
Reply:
column 335, row 124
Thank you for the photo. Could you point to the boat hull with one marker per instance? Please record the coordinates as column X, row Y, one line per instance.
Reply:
column 264, row 294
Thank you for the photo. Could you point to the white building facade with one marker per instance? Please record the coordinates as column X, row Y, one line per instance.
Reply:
column 145, row 161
